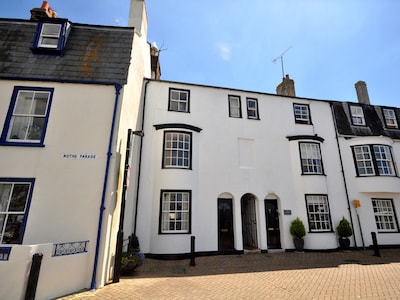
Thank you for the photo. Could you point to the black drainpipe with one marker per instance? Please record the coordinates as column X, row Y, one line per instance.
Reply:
column 343, row 174
column 140, row 158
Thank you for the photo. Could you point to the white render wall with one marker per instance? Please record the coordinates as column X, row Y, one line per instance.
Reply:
column 67, row 193
column 268, row 164
column 366, row 188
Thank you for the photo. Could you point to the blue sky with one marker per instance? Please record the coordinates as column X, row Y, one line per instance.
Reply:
column 332, row 43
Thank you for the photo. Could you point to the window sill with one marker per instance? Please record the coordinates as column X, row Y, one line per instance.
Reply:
column 22, row 144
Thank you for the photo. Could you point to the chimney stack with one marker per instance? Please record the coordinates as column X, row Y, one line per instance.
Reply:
column 286, row 87
column 155, row 62
column 45, row 11
column 138, row 17
column 362, row 92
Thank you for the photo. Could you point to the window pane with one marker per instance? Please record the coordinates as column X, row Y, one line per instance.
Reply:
column 175, row 216
column 19, row 197
column 311, row 162
column 318, row 213
column 5, row 191
column 234, row 107
column 19, row 128
column 24, row 102
column 29, row 116
column 51, row 29
column 177, row 147
column 357, row 115
column 13, row 200
column 384, row 215
column 179, row 101
column 301, row 113
column 12, row 232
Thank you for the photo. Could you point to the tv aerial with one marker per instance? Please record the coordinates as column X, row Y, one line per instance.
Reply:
column 280, row 57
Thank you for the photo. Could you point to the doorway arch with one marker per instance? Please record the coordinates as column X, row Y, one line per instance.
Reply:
column 249, row 221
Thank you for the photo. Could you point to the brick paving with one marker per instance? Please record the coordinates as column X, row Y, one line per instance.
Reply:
column 353, row 274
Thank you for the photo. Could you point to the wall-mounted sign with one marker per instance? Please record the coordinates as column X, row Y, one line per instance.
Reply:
column 79, row 156
column 287, row 212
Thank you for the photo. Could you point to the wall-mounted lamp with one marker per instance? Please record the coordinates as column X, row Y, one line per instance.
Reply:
column 138, row 133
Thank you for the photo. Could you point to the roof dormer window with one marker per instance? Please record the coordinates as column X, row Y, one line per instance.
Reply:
column 51, row 36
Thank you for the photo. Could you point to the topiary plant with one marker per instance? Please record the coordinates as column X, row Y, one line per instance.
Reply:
column 297, row 228
column 344, row 229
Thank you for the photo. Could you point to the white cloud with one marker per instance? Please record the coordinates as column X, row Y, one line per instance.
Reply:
column 224, row 51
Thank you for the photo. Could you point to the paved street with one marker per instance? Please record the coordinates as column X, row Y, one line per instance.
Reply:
column 286, row 275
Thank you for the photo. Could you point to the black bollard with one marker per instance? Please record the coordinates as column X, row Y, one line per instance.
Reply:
column 192, row 251
column 33, row 276
column 375, row 244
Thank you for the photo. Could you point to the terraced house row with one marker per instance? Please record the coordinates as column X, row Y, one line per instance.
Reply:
column 95, row 147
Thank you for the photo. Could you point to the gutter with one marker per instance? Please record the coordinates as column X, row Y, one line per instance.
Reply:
column 343, row 174
column 103, row 196
column 140, row 158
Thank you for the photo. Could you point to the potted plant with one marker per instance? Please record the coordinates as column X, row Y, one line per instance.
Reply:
column 344, row 231
column 129, row 263
column 132, row 258
column 298, row 231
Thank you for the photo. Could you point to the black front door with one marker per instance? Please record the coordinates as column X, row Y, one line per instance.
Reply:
column 272, row 222
column 225, row 225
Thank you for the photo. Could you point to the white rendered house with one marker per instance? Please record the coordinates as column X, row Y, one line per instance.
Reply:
column 369, row 138
column 69, row 93
column 233, row 168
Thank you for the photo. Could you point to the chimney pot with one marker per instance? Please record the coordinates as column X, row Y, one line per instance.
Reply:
column 45, row 5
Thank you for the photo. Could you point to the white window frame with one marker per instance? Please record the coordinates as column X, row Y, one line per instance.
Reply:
column 364, row 161
column 252, row 108
column 175, row 211
column 179, row 100
column 235, row 108
column 384, row 160
column 27, row 116
column 374, row 160
column 50, row 32
column 311, row 158
column 318, row 212
column 385, row 216
column 177, row 149
column 390, row 118
column 302, row 113
column 357, row 115
column 12, row 233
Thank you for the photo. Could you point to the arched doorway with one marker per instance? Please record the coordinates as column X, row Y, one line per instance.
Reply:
column 249, row 221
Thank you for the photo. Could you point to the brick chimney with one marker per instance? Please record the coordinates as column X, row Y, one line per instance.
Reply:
column 362, row 92
column 45, row 11
column 286, row 87
column 155, row 62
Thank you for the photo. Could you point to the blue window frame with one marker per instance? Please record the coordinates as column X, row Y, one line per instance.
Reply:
column 51, row 36
column 27, row 116
column 15, row 199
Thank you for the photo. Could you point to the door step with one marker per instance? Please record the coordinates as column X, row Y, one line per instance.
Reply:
column 252, row 251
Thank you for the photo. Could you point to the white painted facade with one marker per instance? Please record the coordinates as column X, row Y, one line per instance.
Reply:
column 77, row 191
column 232, row 157
column 365, row 189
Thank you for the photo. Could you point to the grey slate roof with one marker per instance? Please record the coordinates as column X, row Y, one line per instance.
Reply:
column 375, row 124
column 92, row 53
